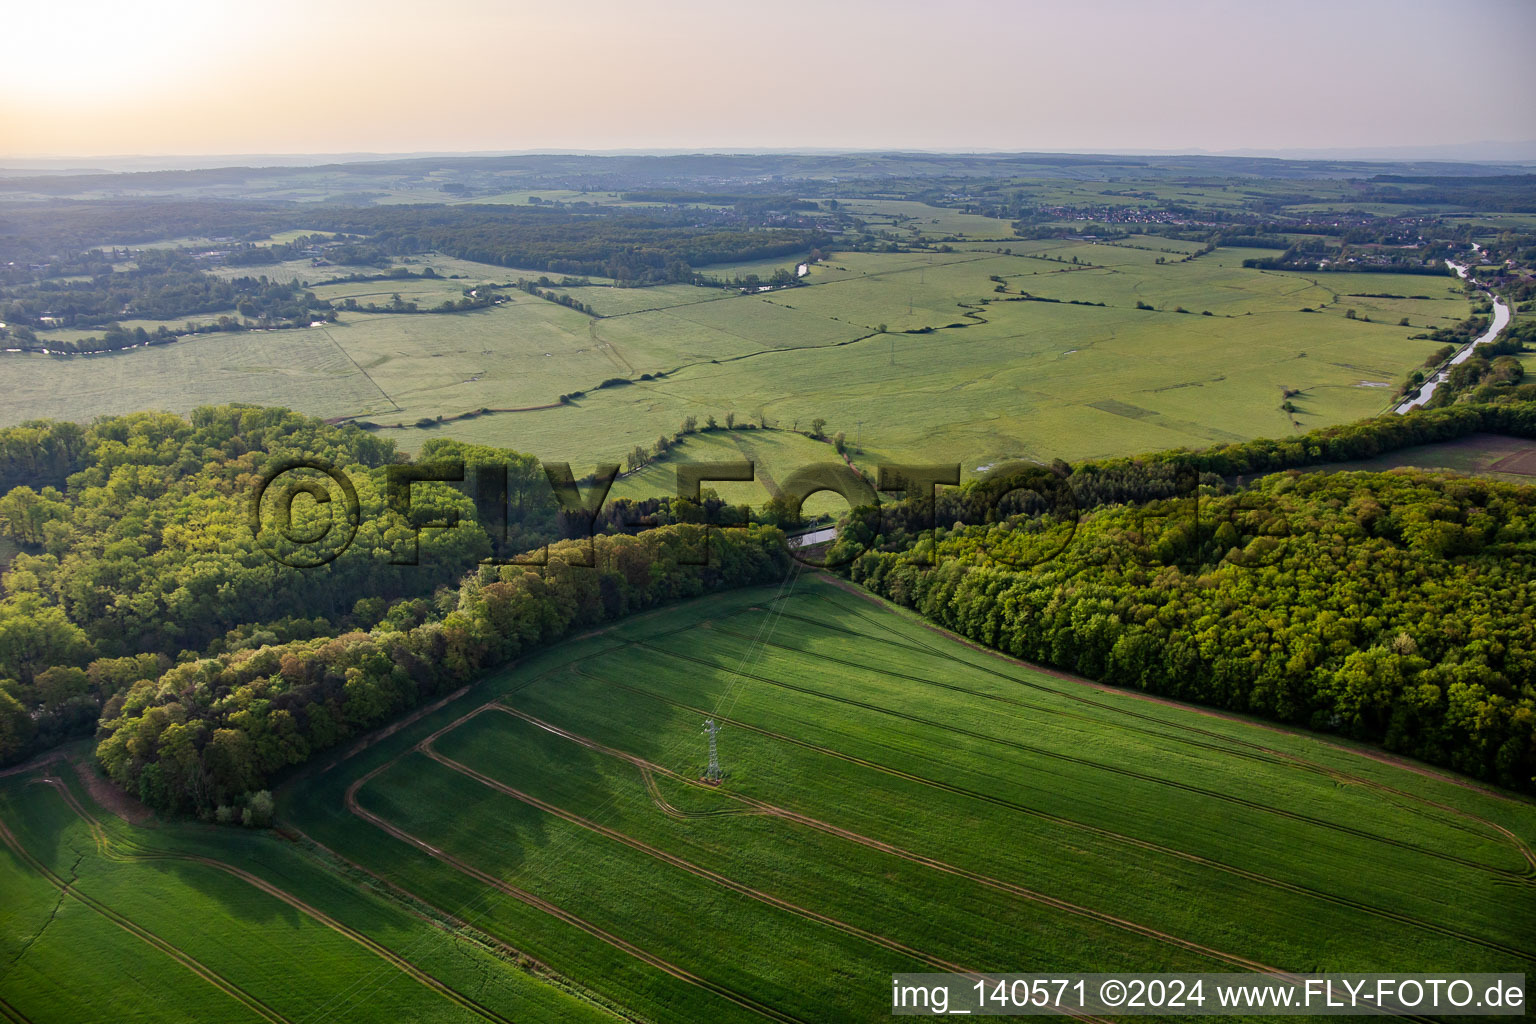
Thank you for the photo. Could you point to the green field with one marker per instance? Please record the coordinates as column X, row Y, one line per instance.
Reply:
column 203, row 924
column 1503, row 458
column 775, row 454
column 927, row 355
column 1001, row 818
column 300, row 369
column 910, row 219
column 1005, row 379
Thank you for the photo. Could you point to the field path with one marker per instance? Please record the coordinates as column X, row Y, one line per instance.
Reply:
column 212, row 977
column 104, row 845
column 1102, row 766
column 1103, row 833
column 764, row 807
column 553, row 910
column 695, row 869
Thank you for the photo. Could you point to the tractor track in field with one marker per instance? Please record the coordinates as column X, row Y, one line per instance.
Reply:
column 929, row 862
column 257, row 1006
column 875, row 844
column 560, row 914
column 984, row 695
column 1103, row 833
column 139, row 853
column 411, row 903
column 1337, row 774
column 1106, row 688
column 698, row 870
column 384, row 732
column 1099, row 766
column 523, row 896
column 37, row 762
column 424, row 746
column 11, row 1014
column 654, row 792
column 1254, row 751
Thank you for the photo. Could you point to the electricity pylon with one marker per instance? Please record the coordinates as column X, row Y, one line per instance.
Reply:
column 713, row 772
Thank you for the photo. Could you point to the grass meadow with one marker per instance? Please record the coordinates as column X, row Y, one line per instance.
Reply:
column 301, row 369
column 998, row 349
column 774, row 454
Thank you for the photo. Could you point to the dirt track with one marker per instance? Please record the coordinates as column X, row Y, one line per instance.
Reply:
column 218, row 981
column 695, row 869
column 875, row 844
column 1055, row 819
column 557, row 912
column 1055, row 673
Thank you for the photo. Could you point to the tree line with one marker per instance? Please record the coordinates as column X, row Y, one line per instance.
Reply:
column 137, row 561
column 152, row 294
column 136, row 546
column 207, row 735
column 1387, row 607
column 137, row 551
column 630, row 246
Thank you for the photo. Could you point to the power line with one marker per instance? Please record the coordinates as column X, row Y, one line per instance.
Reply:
column 713, row 773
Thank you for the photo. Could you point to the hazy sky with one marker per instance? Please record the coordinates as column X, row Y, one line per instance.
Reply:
column 92, row 77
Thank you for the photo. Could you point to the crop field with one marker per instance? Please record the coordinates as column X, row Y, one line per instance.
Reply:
column 1504, row 458
column 425, row 292
column 612, row 302
column 907, row 218
column 525, row 352
column 128, row 324
column 1214, row 194
column 300, row 369
column 1000, row 349
column 205, row 924
column 540, row 846
column 466, row 272
column 1004, row 816
column 762, row 268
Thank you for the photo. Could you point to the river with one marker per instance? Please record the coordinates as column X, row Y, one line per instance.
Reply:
column 1500, row 321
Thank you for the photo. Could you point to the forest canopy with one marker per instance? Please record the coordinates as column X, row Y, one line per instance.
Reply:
column 1390, row 608
column 136, row 546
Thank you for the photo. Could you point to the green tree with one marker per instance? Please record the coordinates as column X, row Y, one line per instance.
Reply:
column 15, row 724
column 35, row 636
column 258, row 812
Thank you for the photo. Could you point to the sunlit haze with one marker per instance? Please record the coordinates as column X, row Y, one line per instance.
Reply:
column 329, row 76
